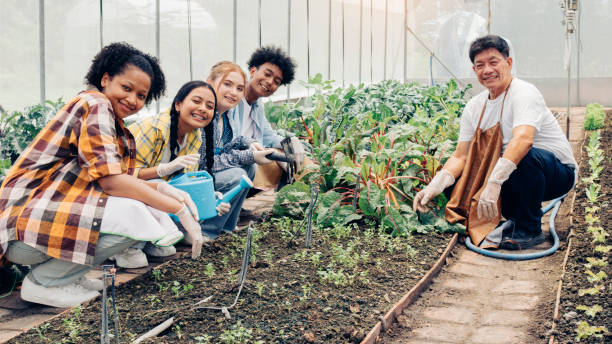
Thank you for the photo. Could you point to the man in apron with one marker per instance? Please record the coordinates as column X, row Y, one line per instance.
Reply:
column 511, row 155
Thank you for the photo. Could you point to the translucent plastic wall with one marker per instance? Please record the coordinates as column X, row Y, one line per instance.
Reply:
column 47, row 45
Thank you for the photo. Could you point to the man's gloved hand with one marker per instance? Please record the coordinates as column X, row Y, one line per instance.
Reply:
column 487, row 204
column 223, row 208
column 260, row 156
column 298, row 153
column 440, row 181
column 193, row 229
column 177, row 164
column 180, row 196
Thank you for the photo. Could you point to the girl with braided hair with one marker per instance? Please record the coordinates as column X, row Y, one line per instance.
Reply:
column 167, row 144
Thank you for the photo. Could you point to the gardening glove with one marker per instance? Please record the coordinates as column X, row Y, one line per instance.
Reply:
column 177, row 164
column 487, row 204
column 180, row 196
column 223, row 208
column 260, row 156
column 298, row 153
column 192, row 227
column 440, row 181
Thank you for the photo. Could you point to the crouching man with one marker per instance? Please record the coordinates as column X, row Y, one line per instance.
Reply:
column 511, row 154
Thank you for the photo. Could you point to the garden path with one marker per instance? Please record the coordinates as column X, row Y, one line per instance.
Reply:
column 17, row 316
column 477, row 299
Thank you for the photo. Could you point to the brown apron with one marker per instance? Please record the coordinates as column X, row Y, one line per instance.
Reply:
column 485, row 149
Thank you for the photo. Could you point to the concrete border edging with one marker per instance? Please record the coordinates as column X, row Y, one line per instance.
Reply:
column 391, row 316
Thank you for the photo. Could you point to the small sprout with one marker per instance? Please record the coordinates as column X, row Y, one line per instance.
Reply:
column 260, row 287
column 590, row 311
column 585, row 331
column 315, row 258
column 592, row 278
column 209, row 270
column 156, row 274
column 153, row 300
column 590, row 291
column 603, row 249
column 594, row 262
column 204, row 339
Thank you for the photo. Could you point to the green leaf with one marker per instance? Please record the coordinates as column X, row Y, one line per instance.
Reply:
column 292, row 200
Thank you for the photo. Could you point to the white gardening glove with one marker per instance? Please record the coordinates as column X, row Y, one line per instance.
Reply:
column 260, row 156
column 487, row 204
column 440, row 181
column 192, row 227
column 177, row 164
column 223, row 208
column 180, row 196
column 298, row 153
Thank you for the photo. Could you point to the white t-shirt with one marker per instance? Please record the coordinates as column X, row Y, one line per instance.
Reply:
column 524, row 105
column 248, row 125
column 166, row 153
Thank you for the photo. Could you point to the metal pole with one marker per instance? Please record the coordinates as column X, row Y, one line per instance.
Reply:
column 259, row 19
column 578, row 48
column 101, row 26
column 329, row 42
column 567, row 122
column 308, row 40
column 157, row 40
column 189, row 30
column 342, row 2
column 235, row 30
column 360, row 36
column 386, row 38
column 41, row 45
column 405, row 39
column 289, row 41
column 371, row 41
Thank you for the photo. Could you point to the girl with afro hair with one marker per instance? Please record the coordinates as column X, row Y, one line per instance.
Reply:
column 72, row 199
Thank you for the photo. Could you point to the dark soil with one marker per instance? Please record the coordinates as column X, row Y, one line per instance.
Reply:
column 285, row 298
column 582, row 247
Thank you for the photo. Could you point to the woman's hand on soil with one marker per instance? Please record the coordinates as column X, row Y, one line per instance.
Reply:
column 260, row 156
column 180, row 196
column 177, row 164
column 193, row 229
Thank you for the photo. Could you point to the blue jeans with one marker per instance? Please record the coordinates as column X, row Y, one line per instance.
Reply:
column 539, row 177
column 224, row 181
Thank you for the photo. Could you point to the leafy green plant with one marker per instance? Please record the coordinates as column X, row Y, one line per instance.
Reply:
column 260, row 288
column 73, row 325
column 595, row 277
column 156, row 274
column 592, row 193
column 209, row 270
column 236, row 335
column 603, row 248
column 594, row 117
column 595, row 262
column 590, row 311
column 41, row 331
column 584, row 331
column 591, row 291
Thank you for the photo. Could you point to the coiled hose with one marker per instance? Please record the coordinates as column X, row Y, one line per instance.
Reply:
column 554, row 205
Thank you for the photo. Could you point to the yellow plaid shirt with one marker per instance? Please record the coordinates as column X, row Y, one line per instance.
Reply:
column 50, row 199
column 152, row 134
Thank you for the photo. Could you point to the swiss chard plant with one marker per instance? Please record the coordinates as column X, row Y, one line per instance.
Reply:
column 374, row 147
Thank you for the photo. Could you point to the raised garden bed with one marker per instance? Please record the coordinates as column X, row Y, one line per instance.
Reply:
column 586, row 293
column 334, row 292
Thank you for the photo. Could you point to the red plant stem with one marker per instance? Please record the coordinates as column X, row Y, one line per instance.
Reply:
column 306, row 127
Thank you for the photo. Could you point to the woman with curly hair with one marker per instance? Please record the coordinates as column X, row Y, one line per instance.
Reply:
column 72, row 199
column 167, row 144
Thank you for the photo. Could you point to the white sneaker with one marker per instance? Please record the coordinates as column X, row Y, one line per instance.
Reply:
column 90, row 283
column 159, row 251
column 69, row 295
column 131, row 258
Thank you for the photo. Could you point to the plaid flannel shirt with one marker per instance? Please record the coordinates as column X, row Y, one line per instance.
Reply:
column 152, row 134
column 50, row 199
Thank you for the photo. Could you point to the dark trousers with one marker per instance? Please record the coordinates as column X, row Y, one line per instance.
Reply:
column 539, row 177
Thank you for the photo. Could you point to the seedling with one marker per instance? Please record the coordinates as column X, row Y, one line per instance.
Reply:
column 598, row 277
column 236, row 335
column 603, row 248
column 209, row 270
column 306, row 291
column 594, row 262
column 585, row 331
column 591, row 291
column 73, row 324
column 315, row 258
column 42, row 331
column 153, row 300
column 156, row 274
column 590, row 311
column 260, row 287
column 204, row 339
column 178, row 330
